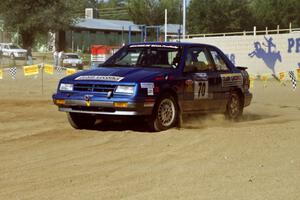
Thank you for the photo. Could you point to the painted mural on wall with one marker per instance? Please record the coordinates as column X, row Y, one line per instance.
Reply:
column 261, row 53
column 269, row 56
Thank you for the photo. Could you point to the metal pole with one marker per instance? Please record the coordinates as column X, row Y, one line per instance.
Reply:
column 166, row 24
column 72, row 41
column 123, row 36
column 129, row 35
column 290, row 27
column 142, row 33
column 157, row 33
column 184, row 19
column 42, row 71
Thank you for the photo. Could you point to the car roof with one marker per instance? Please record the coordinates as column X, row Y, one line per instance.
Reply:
column 186, row 44
column 6, row 43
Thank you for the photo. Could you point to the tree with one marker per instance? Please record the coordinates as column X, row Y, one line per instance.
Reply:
column 151, row 12
column 206, row 16
column 32, row 18
column 270, row 13
column 113, row 9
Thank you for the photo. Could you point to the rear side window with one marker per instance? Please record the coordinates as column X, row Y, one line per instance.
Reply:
column 219, row 61
column 197, row 60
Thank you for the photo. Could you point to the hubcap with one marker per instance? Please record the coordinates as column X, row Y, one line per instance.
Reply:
column 166, row 112
column 234, row 106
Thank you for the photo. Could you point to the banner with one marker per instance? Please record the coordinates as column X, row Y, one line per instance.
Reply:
column 12, row 72
column 70, row 71
column 59, row 69
column 298, row 74
column 252, row 78
column 282, row 76
column 49, row 69
column 293, row 79
column 31, row 70
column 264, row 78
column 1, row 74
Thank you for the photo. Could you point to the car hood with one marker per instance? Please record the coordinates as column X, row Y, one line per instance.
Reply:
column 120, row 74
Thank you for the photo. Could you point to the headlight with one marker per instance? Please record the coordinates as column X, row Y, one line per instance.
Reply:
column 66, row 87
column 125, row 89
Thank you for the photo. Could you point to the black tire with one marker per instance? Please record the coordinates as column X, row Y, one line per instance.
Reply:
column 234, row 110
column 165, row 114
column 12, row 57
column 81, row 121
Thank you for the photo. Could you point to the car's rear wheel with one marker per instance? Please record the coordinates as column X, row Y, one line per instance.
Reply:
column 165, row 114
column 235, row 107
column 81, row 121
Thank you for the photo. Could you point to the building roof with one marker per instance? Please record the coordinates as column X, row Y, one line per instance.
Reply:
column 171, row 28
column 107, row 24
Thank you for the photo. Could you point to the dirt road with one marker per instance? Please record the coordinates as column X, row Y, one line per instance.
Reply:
column 42, row 157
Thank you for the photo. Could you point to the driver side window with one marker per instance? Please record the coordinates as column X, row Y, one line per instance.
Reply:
column 197, row 60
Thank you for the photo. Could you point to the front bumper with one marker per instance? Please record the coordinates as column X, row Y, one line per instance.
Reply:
column 72, row 65
column 104, row 107
column 20, row 56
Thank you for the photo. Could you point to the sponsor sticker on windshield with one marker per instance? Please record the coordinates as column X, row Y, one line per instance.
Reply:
column 154, row 45
column 99, row 78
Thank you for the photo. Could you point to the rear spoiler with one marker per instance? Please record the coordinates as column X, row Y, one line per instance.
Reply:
column 241, row 68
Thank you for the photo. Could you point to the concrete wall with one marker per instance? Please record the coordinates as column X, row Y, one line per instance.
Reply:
column 261, row 53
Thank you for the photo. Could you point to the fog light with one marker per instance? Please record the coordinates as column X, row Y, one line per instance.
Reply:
column 60, row 101
column 120, row 104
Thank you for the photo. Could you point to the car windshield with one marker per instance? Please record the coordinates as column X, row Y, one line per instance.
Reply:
column 14, row 47
column 72, row 56
column 145, row 55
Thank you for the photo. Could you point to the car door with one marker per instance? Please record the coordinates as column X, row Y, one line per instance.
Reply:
column 225, row 80
column 200, row 79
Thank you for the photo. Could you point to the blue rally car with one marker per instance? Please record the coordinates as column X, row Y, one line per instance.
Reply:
column 157, row 82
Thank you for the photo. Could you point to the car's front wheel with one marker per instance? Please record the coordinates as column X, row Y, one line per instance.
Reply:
column 81, row 121
column 165, row 114
column 234, row 109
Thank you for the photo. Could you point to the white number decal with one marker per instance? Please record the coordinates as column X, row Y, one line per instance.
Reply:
column 201, row 90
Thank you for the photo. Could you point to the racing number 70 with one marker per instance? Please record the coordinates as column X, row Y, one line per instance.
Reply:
column 202, row 88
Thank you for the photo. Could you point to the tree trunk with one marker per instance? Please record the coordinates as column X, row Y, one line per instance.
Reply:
column 27, row 37
column 61, row 40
